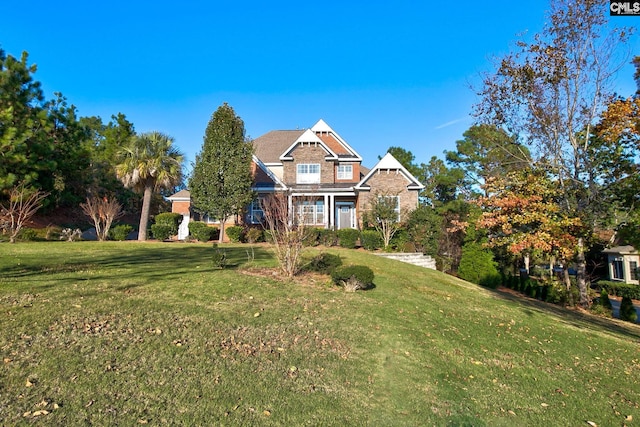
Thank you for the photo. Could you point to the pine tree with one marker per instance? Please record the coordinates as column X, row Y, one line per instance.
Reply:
column 220, row 185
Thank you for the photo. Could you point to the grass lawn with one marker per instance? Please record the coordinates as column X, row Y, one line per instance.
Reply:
column 127, row 333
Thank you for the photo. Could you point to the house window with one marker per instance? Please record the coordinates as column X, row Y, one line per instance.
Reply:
column 308, row 173
column 633, row 269
column 311, row 212
column 345, row 171
column 256, row 214
column 391, row 202
column 617, row 269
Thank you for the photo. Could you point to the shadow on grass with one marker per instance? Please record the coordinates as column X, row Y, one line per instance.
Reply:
column 142, row 263
column 578, row 319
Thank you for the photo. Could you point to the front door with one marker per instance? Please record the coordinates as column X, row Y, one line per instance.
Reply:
column 345, row 215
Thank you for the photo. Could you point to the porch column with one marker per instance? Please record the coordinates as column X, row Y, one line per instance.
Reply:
column 292, row 213
column 327, row 217
column 332, row 211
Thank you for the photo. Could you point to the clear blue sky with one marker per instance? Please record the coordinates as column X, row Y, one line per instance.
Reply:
column 380, row 73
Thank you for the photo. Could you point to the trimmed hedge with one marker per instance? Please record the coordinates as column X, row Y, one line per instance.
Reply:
column 327, row 237
column 161, row 231
column 620, row 289
column 171, row 220
column 235, row 233
column 371, row 240
column 120, row 232
column 201, row 231
column 347, row 237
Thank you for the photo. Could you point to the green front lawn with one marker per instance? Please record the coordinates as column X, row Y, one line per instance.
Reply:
column 128, row 333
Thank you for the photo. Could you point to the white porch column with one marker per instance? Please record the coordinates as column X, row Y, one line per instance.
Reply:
column 332, row 211
column 327, row 213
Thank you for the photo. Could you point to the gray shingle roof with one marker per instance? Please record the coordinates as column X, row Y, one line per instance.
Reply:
column 271, row 145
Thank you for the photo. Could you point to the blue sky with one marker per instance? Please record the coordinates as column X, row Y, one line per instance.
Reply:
column 379, row 73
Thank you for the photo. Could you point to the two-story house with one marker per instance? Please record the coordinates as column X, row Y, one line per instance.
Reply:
column 323, row 177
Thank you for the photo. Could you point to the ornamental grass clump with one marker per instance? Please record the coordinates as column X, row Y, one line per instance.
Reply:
column 353, row 277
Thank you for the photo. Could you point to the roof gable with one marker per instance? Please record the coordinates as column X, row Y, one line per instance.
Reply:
column 308, row 137
column 331, row 137
column 388, row 162
column 263, row 177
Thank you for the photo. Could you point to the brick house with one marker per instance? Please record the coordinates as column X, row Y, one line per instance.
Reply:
column 323, row 177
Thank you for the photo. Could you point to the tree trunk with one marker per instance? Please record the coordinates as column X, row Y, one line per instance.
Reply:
column 222, row 224
column 581, row 277
column 144, row 215
column 567, row 281
column 527, row 261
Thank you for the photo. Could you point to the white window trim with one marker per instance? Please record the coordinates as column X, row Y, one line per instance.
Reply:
column 307, row 209
column 255, row 207
column 306, row 177
column 346, row 173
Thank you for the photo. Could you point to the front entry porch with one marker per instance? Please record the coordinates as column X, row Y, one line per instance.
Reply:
column 325, row 210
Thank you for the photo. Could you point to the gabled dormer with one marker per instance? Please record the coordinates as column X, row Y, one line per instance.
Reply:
column 389, row 166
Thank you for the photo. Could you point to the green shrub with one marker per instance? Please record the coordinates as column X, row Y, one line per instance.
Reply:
column 254, row 235
column 604, row 299
column 161, row 232
column 401, row 241
column 27, row 234
column 219, row 257
column 201, row 231
column 627, row 310
column 477, row 265
column 168, row 219
column 235, row 233
column 324, row 263
column 328, row 237
column 120, row 232
column 353, row 277
column 620, row 289
column 371, row 240
column 311, row 237
column 347, row 237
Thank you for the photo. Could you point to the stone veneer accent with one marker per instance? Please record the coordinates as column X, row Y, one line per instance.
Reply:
column 309, row 153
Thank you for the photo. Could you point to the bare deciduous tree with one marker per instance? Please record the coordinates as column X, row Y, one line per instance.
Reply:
column 102, row 212
column 23, row 203
column 287, row 228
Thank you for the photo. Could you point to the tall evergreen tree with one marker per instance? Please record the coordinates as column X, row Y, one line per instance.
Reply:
column 25, row 153
column 220, row 184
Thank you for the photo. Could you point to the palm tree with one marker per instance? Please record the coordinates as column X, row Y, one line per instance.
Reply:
column 148, row 163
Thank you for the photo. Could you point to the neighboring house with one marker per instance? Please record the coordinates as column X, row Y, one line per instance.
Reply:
column 323, row 177
column 623, row 264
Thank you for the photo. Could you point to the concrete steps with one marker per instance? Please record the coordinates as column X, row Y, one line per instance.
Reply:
column 414, row 258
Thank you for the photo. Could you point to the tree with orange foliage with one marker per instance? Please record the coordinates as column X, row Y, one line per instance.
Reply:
column 522, row 213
